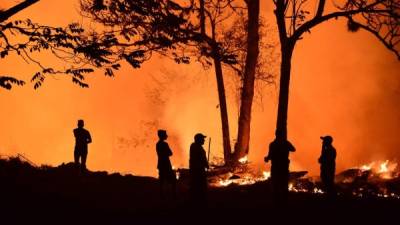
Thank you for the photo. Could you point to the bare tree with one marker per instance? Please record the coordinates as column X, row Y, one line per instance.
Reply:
column 381, row 18
column 253, row 37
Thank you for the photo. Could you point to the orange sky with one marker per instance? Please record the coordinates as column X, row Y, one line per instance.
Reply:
column 343, row 84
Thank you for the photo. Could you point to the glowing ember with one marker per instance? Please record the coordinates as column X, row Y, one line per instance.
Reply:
column 266, row 175
column 290, row 187
column 243, row 160
column 225, row 183
column 366, row 167
column 317, row 191
column 245, row 179
column 177, row 174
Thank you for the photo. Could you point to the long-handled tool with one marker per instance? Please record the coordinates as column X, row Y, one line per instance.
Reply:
column 209, row 149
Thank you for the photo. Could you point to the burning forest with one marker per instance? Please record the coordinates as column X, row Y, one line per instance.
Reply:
column 244, row 73
column 378, row 179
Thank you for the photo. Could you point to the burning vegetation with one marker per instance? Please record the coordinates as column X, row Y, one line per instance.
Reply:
column 378, row 179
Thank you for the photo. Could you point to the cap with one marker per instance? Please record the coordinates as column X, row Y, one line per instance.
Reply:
column 327, row 138
column 199, row 136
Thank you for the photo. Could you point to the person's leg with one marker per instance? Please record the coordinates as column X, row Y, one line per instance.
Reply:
column 83, row 160
column 161, row 180
column 76, row 157
column 173, row 185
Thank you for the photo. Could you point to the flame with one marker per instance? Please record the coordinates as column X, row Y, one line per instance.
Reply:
column 291, row 187
column 377, row 170
column 267, row 175
column 243, row 160
column 366, row 167
column 317, row 191
column 225, row 183
column 246, row 179
column 384, row 169
column 177, row 174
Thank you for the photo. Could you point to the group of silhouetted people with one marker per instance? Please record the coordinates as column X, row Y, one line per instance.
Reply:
column 279, row 150
column 197, row 168
column 278, row 154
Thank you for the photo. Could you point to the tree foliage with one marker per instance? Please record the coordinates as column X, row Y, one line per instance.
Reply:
column 143, row 27
column 378, row 17
column 82, row 51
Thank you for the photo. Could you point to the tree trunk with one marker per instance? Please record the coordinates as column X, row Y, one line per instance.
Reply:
column 286, row 57
column 223, row 110
column 243, row 138
column 221, row 89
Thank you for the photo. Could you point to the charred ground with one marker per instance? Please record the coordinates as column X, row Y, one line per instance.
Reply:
column 63, row 195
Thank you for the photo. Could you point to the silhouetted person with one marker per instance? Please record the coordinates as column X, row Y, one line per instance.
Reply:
column 279, row 155
column 327, row 161
column 166, row 174
column 82, row 139
column 197, row 166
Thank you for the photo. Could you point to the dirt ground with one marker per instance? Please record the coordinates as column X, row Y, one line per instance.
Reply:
column 64, row 196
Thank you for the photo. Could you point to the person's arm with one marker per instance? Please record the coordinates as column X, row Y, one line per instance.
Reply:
column 268, row 157
column 169, row 149
column 291, row 147
column 89, row 138
column 321, row 159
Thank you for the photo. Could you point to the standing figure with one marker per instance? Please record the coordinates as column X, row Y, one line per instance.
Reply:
column 279, row 155
column 197, row 166
column 82, row 139
column 327, row 161
column 166, row 174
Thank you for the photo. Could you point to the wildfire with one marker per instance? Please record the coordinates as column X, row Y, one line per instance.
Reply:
column 369, row 180
column 245, row 179
column 385, row 169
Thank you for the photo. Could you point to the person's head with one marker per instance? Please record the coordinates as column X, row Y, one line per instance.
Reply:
column 326, row 140
column 81, row 123
column 162, row 134
column 199, row 138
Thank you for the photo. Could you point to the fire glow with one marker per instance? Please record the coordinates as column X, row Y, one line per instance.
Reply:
column 384, row 169
column 247, row 179
column 377, row 179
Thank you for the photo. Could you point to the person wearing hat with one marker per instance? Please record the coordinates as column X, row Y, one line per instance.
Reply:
column 327, row 165
column 166, row 174
column 197, row 167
